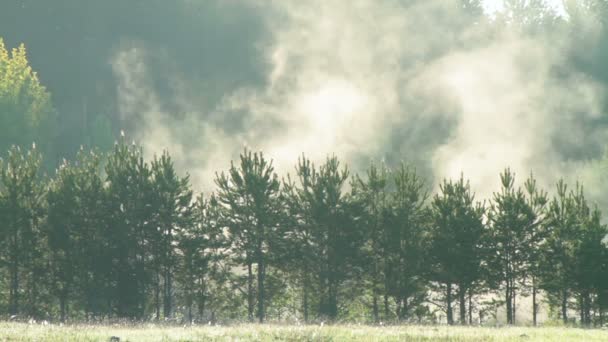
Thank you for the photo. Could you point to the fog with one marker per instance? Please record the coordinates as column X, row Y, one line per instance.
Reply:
column 426, row 82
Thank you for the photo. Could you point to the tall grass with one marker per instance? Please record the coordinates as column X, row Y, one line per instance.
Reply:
column 250, row 332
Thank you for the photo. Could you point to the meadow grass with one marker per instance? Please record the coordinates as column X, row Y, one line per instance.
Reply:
column 251, row 332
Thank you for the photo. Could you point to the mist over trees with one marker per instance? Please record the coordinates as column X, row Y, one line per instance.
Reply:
column 181, row 74
column 94, row 227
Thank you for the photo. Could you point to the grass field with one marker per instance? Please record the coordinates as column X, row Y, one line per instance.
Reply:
column 35, row 332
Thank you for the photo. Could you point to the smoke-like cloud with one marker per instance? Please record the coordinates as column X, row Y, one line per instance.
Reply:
column 513, row 111
column 422, row 81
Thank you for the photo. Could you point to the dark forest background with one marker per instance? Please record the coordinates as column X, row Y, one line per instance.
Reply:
column 216, row 48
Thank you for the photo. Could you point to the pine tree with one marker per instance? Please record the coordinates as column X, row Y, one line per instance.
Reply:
column 249, row 194
column 513, row 237
column 374, row 195
column 589, row 255
column 173, row 213
column 298, row 253
column 63, row 225
column 201, row 250
column 22, row 195
column 537, row 200
column 407, row 241
column 457, row 237
column 558, row 254
column 131, row 214
column 76, row 235
column 331, row 229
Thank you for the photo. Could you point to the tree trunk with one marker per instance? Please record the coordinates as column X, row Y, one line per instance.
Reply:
column 249, row 291
column 386, row 287
column 36, row 281
column 375, row 307
column 470, row 306
column 589, row 304
column 375, row 293
column 261, row 294
column 448, row 296
column 398, row 308
column 140, row 305
column 157, row 296
column 462, row 303
column 14, row 287
column 168, row 288
column 167, row 305
column 403, row 309
column 62, row 307
column 514, row 305
column 601, row 311
column 582, row 310
column 565, row 306
column 386, row 308
column 323, row 294
column 586, row 308
column 534, row 305
column 305, row 303
column 509, row 303
column 201, row 306
column 14, row 291
column 331, row 309
column 333, row 300
column 190, row 293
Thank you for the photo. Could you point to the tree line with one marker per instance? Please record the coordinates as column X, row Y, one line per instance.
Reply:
column 113, row 235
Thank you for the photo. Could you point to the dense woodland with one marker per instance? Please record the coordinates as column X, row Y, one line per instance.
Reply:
column 109, row 234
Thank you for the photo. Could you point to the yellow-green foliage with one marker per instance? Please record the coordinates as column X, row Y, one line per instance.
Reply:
column 34, row 332
column 25, row 104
